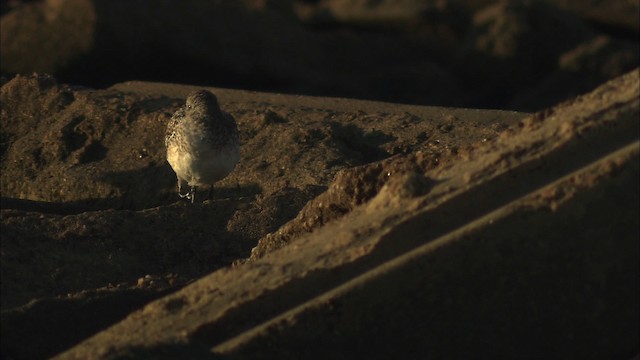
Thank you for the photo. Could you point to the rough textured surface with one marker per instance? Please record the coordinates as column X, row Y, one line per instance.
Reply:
column 425, row 231
column 89, row 209
column 349, row 227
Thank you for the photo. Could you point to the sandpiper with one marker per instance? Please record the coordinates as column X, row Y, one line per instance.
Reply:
column 202, row 143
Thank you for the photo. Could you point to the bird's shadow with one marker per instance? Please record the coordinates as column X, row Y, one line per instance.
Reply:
column 139, row 189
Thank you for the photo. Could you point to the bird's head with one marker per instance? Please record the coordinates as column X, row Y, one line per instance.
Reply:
column 202, row 101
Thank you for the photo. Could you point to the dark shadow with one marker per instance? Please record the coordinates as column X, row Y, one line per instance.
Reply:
column 268, row 214
column 46, row 327
column 118, row 247
column 156, row 186
column 365, row 146
column 167, row 352
column 58, row 208
column 142, row 188
column 95, row 151
column 80, row 206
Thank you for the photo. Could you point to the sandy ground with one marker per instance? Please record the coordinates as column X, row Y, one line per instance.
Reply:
column 349, row 227
column 93, row 202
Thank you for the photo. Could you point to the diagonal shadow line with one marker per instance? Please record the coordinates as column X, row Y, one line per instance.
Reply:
column 360, row 281
column 57, row 208
column 97, row 204
column 485, row 198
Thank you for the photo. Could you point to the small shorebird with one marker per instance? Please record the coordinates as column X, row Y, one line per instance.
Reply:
column 202, row 143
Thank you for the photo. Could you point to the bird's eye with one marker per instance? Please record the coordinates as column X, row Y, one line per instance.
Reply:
column 188, row 106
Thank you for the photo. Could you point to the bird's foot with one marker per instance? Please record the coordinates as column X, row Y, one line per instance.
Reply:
column 182, row 196
column 191, row 195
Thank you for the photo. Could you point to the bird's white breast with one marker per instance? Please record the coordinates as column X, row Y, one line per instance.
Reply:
column 205, row 165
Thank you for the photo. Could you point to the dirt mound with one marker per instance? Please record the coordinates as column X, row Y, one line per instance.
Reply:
column 90, row 216
column 451, row 214
column 529, row 239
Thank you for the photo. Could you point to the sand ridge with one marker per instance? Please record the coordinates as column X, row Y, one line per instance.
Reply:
column 515, row 209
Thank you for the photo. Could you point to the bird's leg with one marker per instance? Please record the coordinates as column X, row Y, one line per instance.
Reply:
column 191, row 195
column 180, row 183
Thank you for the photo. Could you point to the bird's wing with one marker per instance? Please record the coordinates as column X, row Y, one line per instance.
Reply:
column 175, row 119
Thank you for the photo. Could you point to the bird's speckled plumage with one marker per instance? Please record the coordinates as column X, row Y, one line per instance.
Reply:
column 202, row 142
